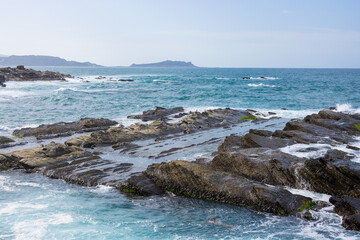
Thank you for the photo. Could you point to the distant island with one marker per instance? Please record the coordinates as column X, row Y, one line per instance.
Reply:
column 167, row 64
column 38, row 60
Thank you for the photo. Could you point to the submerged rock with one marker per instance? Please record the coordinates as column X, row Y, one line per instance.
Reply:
column 65, row 128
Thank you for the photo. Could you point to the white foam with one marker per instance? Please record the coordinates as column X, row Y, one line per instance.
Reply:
column 313, row 195
column 321, row 149
column 347, row 108
column 102, row 189
column 261, row 85
column 29, row 184
column 295, row 150
column 14, row 93
column 65, row 89
column 36, row 229
column 4, row 128
column 287, row 113
column 13, row 207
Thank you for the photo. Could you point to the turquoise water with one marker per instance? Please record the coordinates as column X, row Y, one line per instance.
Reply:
column 296, row 89
column 35, row 207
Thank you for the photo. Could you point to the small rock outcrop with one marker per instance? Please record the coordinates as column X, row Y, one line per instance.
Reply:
column 159, row 114
column 2, row 81
column 349, row 209
column 65, row 128
column 20, row 73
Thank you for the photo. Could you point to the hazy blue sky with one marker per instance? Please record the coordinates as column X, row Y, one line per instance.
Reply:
column 223, row 33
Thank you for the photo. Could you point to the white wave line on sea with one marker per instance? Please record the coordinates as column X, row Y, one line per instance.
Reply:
column 261, row 85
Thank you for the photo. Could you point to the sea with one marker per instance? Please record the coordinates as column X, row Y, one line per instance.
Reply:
column 35, row 207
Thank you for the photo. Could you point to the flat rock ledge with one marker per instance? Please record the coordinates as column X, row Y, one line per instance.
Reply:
column 191, row 123
column 65, row 128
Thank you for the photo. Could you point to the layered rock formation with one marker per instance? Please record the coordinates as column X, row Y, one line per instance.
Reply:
column 20, row 73
column 250, row 170
column 65, row 128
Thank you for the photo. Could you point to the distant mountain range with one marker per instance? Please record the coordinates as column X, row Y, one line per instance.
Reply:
column 166, row 64
column 38, row 60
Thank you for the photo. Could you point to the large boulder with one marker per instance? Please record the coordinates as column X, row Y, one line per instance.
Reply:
column 202, row 181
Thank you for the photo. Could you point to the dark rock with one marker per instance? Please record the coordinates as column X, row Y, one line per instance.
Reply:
column 44, row 155
column 252, row 140
column 157, row 114
column 125, row 80
column 316, row 130
column 352, row 148
column 231, row 143
column 65, row 128
column 8, row 162
column 202, row 181
column 4, row 140
column 24, row 74
column 192, row 123
column 264, row 133
column 140, row 184
column 246, row 77
column 349, row 208
column 180, row 115
column 301, row 137
column 284, row 109
column 2, row 81
column 335, row 154
column 260, row 164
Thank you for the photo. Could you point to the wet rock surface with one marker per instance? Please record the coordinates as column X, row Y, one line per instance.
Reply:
column 65, row 128
column 203, row 181
column 159, row 113
column 349, row 208
column 194, row 122
column 20, row 73
column 248, row 169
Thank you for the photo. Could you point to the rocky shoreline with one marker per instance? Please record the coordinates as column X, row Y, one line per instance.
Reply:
column 251, row 170
column 20, row 73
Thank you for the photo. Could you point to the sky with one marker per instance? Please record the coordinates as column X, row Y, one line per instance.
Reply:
column 222, row 33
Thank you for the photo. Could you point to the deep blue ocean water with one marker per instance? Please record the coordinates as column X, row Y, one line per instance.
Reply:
column 35, row 207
